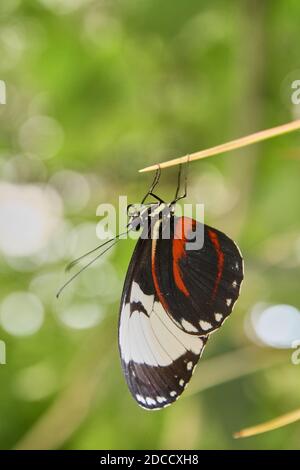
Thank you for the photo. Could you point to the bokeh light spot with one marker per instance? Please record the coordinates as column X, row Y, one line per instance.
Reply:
column 21, row 314
column 41, row 136
column 28, row 217
column 73, row 188
column 35, row 382
column 277, row 326
column 81, row 315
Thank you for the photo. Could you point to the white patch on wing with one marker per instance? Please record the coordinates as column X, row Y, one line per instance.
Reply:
column 189, row 365
column 123, row 333
column 153, row 340
column 205, row 325
column 234, row 284
column 134, row 331
column 137, row 295
column 188, row 326
column 159, row 352
column 228, row 302
column 189, row 342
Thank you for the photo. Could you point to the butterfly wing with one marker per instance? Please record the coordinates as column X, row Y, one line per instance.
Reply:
column 157, row 357
column 197, row 287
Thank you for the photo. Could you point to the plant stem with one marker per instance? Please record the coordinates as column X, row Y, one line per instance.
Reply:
column 228, row 146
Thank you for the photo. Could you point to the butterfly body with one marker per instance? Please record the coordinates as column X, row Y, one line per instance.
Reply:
column 178, row 290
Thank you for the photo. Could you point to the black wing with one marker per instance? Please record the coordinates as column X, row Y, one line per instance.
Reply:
column 197, row 287
column 158, row 358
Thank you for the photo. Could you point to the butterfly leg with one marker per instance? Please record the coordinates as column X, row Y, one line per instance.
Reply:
column 156, row 197
column 154, row 183
column 178, row 182
column 178, row 198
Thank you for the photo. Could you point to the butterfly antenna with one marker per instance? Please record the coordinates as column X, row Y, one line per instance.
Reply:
column 77, row 260
column 85, row 267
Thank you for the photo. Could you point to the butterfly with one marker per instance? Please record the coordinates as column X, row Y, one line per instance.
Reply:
column 176, row 293
column 173, row 299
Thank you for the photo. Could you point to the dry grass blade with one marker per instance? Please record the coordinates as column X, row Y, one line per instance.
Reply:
column 271, row 425
column 228, row 146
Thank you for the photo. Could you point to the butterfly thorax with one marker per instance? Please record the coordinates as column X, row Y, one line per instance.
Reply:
column 150, row 218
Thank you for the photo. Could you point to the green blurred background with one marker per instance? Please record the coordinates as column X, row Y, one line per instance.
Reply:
column 95, row 91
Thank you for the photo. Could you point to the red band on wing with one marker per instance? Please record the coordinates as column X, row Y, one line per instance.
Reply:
column 220, row 255
column 182, row 227
column 154, row 276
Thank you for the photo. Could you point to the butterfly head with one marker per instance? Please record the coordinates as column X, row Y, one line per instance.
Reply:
column 140, row 215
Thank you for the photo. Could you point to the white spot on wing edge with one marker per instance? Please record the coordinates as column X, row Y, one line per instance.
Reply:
column 140, row 398
column 150, row 401
column 228, row 302
column 156, row 408
column 161, row 399
column 237, row 266
column 218, row 317
column 205, row 325
column 189, row 365
column 173, row 393
column 188, row 326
